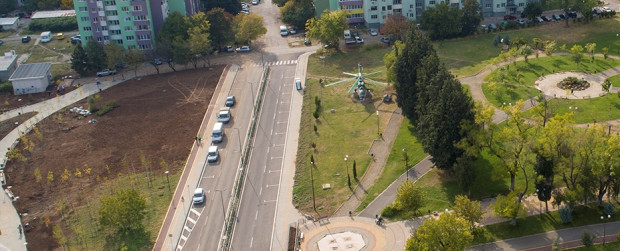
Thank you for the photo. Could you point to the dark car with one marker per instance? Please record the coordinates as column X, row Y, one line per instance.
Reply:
column 26, row 39
column 509, row 17
column 562, row 16
column 230, row 101
column 545, row 18
column 120, row 65
column 572, row 14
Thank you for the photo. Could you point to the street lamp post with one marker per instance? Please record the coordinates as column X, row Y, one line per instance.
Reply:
column 605, row 226
column 406, row 158
column 168, row 179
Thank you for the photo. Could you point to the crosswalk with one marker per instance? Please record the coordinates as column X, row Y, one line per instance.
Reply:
column 275, row 63
column 190, row 223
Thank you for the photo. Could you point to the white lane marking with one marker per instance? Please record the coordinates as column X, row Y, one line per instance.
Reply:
column 276, row 157
column 273, row 171
column 187, row 228
column 256, row 215
column 196, row 212
column 183, row 237
column 251, row 241
column 269, row 201
column 209, row 177
column 191, row 220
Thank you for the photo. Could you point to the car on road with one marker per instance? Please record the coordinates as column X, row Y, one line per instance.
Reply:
column 292, row 31
column 26, row 39
column 244, row 48
column 76, row 39
column 224, row 115
column 106, row 72
column 373, row 32
column 212, row 155
column 230, row 101
column 199, row 196
column 298, row 83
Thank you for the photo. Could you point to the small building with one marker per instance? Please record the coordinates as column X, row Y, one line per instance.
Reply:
column 52, row 14
column 31, row 78
column 9, row 23
column 8, row 64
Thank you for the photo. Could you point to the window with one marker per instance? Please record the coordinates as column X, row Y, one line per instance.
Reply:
column 489, row 5
column 84, row 19
column 131, row 47
column 373, row 7
column 503, row 4
column 115, row 32
column 120, row 41
column 95, row 19
column 389, row 7
column 110, row 3
column 104, row 28
column 114, row 22
column 111, row 13
column 144, row 37
column 128, row 28
column 410, row 14
column 99, row 39
column 127, row 19
column 96, row 29
column 383, row 8
column 411, row 6
column 397, row 2
column 87, row 28
column 418, row 4
column 140, row 18
column 383, row 17
column 83, row 9
column 93, row 9
column 497, row 5
column 145, row 46
column 521, row 4
column 373, row 16
column 106, row 38
column 137, row 8
column 143, row 27
column 431, row 2
column 125, row 8
column 129, row 38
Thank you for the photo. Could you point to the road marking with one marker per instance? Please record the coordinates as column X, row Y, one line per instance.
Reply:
column 278, row 145
column 276, row 157
column 191, row 220
column 183, row 238
column 187, row 228
column 251, row 241
column 268, row 201
column 209, row 177
column 273, row 171
column 279, row 122
column 179, row 247
column 279, row 133
column 271, row 185
column 196, row 212
column 256, row 215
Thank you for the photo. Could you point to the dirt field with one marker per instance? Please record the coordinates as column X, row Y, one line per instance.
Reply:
column 157, row 117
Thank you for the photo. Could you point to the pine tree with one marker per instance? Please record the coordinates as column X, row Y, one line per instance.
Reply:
column 78, row 60
column 96, row 58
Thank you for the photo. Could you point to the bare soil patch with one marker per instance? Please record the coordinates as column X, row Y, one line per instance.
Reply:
column 10, row 124
column 156, row 119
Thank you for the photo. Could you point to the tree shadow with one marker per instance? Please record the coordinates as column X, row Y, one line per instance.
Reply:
column 138, row 239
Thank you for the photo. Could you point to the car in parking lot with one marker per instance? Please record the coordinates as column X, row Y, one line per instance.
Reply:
column 545, row 18
column 572, row 14
column 373, row 32
column 522, row 21
column 298, row 83
column 245, row 11
column 492, row 26
column 60, row 36
column 307, row 41
column 539, row 20
column 359, row 40
column 157, row 61
column 292, row 31
column 230, row 101
column 199, row 196
column 1, row 42
column 509, row 17
column 556, row 17
column 606, row 9
column 26, row 39
column 212, row 155
column 106, row 72
column 562, row 16
column 255, row 2
column 76, row 39
column 244, row 48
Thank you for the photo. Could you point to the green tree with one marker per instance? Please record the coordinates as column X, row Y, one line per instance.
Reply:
column 590, row 48
column 526, row 51
column 409, row 197
column 441, row 21
column 123, row 212
column 467, row 209
column 532, row 10
column 180, row 52
column 396, row 26
column 577, row 51
column 59, row 236
column 7, row 6
column 389, row 60
column 508, row 207
column 449, row 232
column 66, row 4
column 471, row 17
column 78, row 60
column 230, row 6
column 586, row 7
column 115, row 54
column 279, row 3
column 248, row 27
column 199, row 38
column 329, row 29
column 297, row 12
column 221, row 27
column 96, row 57
column 134, row 59
column 550, row 47
column 176, row 25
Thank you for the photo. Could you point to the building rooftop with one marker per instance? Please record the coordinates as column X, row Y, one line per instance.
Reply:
column 29, row 71
column 53, row 13
column 7, row 60
column 8, row 20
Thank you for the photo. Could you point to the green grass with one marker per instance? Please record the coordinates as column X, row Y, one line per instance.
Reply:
column 38, row 54
column 466, row 56
column 82, row 220
column 394, row 167
column 61, row 46
column 609, row 246
column 527, row 73
column 507, row 93
column 349, row 130
column 588, row 110
column 5, row 34
column 369, row 56
column 615, row 81
column 582, row 215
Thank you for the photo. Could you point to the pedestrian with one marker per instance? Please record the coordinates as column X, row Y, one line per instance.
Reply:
column 19, row 228
column 571, row 91
column 199, row 138
column 196, row 139
column 350, row 214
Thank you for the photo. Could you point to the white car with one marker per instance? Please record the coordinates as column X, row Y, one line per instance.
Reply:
column 373, row 32
column 298, row 83
column 359, row 40
column 224, row 115
column 244, row 48
column 292, row 31
column 199, row 196
column 255, row 2
column 606, row 9
column 212, row 155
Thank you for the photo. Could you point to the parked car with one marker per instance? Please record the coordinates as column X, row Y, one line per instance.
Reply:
column 373, row 32
column 157, row 61
column 562, row 16
column 292, row 31
column 385, row 40
column 546, row 19
column 76, row 39
column 307, row 41
column 596, row 11
column 60, row 36
column 572, row 14
column 1, row 42
column 255, row 2
column 224, row 115
column 359, row 40
column 230, row 101
column 606, row 9
column 298, row 83
column 212, row 155
column 199, row 196
column 493, row 26
column 28, row 15
column 509, row 17
column 556, row 17
column 106, row 72
column 522, row 21
column 120, row 65
column 539, row 20
column 244, row 48
column 245, row 11
column 26, row 39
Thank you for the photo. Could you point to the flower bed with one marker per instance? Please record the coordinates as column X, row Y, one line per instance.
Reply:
column 573, row 83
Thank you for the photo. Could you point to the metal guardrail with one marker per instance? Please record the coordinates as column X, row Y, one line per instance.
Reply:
column 233, row 207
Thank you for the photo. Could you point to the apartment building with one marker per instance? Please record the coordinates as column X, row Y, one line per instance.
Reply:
column 373, row 13
column 130, row 23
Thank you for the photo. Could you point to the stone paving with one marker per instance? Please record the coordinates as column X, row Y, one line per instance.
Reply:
column 549, row 85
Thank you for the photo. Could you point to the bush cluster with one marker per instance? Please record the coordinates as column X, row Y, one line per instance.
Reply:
column 6, row 87
column 107, row 108
column 54, row 24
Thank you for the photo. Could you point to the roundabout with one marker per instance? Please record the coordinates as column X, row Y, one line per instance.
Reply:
column 549, row 85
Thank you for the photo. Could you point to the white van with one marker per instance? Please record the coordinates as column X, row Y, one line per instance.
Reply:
column 283, row 31
column 347, row 34
column 217, row 135
column 224, row 115
column 46, row 36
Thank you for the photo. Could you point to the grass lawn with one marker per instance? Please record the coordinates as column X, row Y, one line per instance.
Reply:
column 615, row 80
column 62, row 46
column 527, row 73
column 466, row 56
column 369, row 56
column 38, row 54
column 88, row 235
column 394, row 167
column 609, row 246
column 540, row 223
column 498, row 94
column 588, row 110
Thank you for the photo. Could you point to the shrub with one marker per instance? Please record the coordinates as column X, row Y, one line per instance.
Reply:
column 566, row 214
column 587, row 239
column 54, row 24
column 109, row 106
column 388, row 212
column 6, row 87
column 609, row 209
column 315, row 114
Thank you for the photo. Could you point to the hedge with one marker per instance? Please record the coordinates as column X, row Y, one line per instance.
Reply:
column 56, row 24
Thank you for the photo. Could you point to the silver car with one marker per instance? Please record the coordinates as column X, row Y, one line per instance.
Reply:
column 199, row 196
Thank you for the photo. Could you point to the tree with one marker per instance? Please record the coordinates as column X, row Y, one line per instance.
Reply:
column 123, row 212
column 7, row 6
column 221, row 27
column 248, row 28
column 134, row 59
column 449, row 232
column 230, row 6
column 550, row 47
column 467, row 209
column 176, row 25
column 533, row 10
column 586, row 7
column 590, row 47
column 441, row 22
column 279, row 3
column 180, row 52
column 471, row 17
column 577, row 52
column 96, row 57
column 329, row 29
column 66, row 4
column 297, row 12
column 78, row 60
column 115, row 54
column 59, row 236
column 410, row 197
column 508, row 207
column 526, row 51
column 389, row 60
column 396, row 26
column 199, row 38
